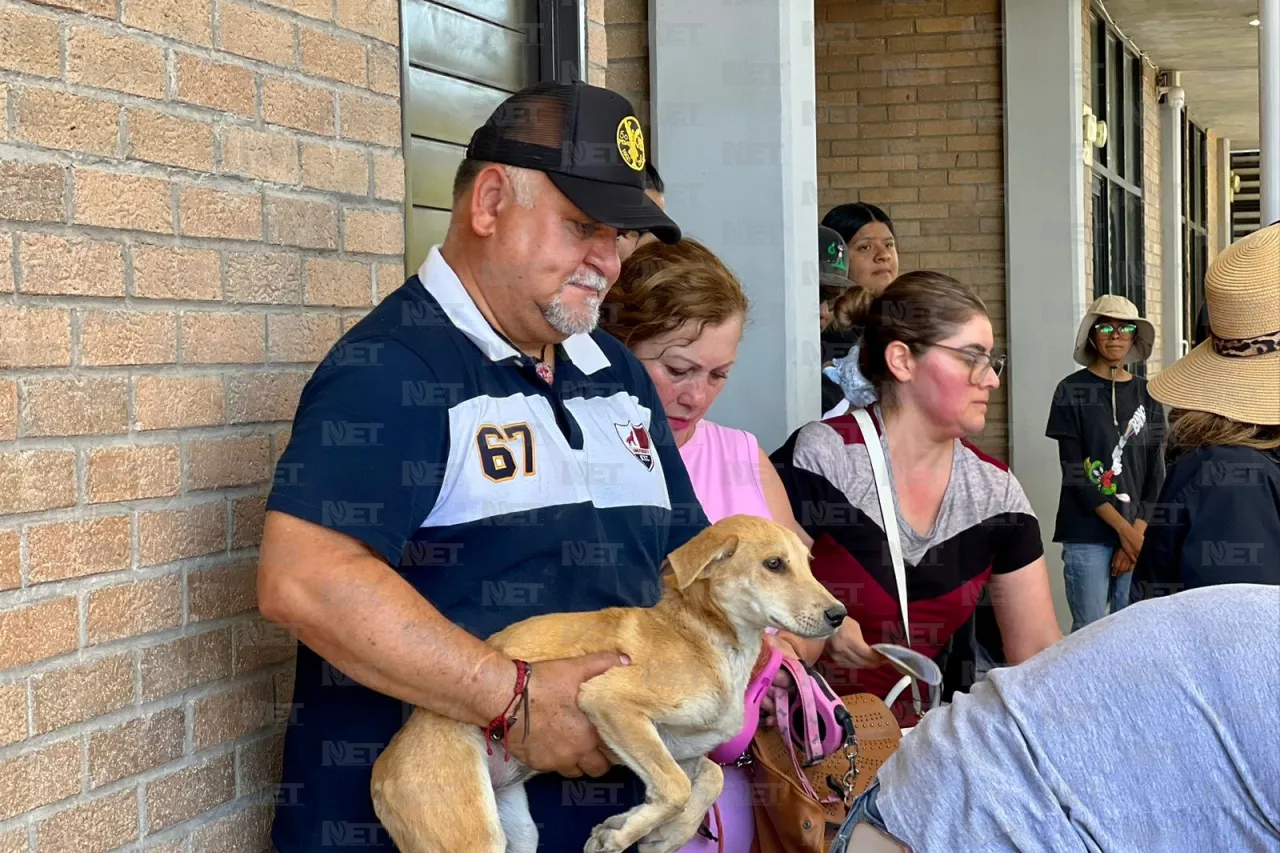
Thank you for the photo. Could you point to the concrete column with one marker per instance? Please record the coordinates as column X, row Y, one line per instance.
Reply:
column 1224, row 195
column 1269, row 108
column 733, row 114
column 1173, row 337
column 1044, row 176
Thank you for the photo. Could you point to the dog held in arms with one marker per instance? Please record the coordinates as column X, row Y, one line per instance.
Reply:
column 437, row 791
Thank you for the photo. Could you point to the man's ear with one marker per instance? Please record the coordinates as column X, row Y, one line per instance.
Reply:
column 487, row 198
column 689, row 560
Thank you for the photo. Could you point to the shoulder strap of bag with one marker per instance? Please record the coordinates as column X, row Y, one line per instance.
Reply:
column 889, row 518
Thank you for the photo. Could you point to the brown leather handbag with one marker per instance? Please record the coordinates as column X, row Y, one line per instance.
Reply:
column 797, row 808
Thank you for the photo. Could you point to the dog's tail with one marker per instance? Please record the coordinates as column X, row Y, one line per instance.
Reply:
column 431, row 789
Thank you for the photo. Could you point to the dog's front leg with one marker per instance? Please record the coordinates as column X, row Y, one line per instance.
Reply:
column 635, row 741
column 707, row 779
column 517, row 823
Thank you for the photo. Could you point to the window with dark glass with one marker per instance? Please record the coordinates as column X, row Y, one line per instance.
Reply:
column 460, row 61
column 1119, row 264
column 1195, row 220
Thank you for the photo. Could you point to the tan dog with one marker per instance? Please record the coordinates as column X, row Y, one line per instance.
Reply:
column 436, row 791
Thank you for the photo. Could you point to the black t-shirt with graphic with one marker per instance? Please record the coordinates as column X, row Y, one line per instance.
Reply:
column 1110, row 453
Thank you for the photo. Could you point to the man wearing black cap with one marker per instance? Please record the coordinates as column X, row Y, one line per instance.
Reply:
column 471, row 454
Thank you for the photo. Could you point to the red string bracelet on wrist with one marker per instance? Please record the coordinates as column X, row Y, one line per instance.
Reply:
column 504, row 721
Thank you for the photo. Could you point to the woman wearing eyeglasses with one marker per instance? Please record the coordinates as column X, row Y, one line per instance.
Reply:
column 963, row 521
column 1108, row 429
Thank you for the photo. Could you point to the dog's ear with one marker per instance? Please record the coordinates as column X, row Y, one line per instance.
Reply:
column 689, row 560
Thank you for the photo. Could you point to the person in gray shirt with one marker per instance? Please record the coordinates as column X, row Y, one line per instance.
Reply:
column 1154, row 729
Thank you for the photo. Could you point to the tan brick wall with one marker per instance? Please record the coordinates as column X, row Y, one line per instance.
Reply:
column 910, row 118
column 597, row 36
column 627, row 33
column 1154, row 309
column 196, row 198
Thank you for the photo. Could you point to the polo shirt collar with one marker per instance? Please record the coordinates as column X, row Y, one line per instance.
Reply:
column 443, row 284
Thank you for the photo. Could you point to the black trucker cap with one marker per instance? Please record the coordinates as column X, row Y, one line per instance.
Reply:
column 588, row 142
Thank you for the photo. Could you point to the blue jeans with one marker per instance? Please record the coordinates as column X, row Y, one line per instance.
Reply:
column 863, row 810
column 1090, row 586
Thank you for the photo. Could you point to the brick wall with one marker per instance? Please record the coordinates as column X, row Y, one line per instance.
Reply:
column 1152, row 232
column 910, row 118
column 196, row 198
column 597, row 43
column 627, row 49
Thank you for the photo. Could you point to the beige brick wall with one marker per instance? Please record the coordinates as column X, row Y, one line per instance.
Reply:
column 196, row 198
column 597, row 37
column 627, row 33
column 910, row 118
column 1151, row 209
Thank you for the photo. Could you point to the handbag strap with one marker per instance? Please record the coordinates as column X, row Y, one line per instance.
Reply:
column 889, row 518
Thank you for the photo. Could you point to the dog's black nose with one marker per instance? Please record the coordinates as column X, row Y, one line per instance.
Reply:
column 835, row 615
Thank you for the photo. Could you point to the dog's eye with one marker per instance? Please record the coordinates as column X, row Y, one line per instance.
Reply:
column 775, row 564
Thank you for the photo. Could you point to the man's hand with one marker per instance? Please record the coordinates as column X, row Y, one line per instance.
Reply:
column 848, row 649
column 1120, row 563
column 561, row 738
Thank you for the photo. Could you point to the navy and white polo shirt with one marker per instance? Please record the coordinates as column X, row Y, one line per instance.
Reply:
column 427, row 436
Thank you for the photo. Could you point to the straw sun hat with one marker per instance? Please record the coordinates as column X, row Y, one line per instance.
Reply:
column 1116, row 308
column 1236, row 373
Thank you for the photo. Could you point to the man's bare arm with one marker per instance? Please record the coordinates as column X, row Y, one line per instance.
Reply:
column 358, row 613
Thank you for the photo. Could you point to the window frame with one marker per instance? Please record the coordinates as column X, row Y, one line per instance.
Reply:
column 1118, row 190
column 1194, row 219
column 561, row 38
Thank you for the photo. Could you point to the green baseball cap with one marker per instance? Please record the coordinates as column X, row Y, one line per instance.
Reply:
column 833, row 259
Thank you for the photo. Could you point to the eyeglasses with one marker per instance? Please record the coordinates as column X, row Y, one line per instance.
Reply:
column 979, row 362
column 1128, row 330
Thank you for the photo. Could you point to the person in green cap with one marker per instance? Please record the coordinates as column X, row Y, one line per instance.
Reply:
column 833, row 280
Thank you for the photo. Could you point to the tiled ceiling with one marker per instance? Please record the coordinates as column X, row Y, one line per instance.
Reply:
column 1215, row 48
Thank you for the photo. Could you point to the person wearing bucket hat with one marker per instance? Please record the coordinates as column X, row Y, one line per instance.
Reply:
column 1108, row 429
column 1221, row 501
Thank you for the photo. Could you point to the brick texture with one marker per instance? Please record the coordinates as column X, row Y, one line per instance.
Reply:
column 55, row 265
column 113, row 61
column 11, row 557
column 53, row 119
column 905, row 123
column 13, row 713
column 72, row 549
column 194, row 196
column 76, row 693
column 38, row 778
column 185, row 663
column 136, row 746
column 133, row 609
column 38, row 631
column 186, row 793
column 94, row 827
column 74, row 406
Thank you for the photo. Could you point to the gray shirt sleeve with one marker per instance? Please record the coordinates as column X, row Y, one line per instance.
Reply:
column 1151, row 730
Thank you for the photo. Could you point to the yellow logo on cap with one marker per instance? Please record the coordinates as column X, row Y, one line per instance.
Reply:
column 631, row 142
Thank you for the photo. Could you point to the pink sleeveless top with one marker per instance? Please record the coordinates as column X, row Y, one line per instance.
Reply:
column 724, row 466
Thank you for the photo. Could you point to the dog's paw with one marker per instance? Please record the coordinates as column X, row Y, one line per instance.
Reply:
column 605, row 840
column 667, row 839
